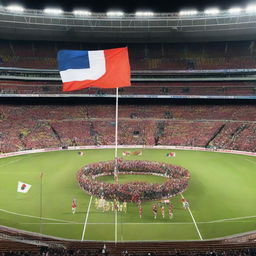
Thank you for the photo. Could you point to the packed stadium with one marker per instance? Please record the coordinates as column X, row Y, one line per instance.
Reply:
column 127, row 132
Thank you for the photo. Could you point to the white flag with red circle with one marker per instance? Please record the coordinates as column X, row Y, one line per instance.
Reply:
column 23, row 187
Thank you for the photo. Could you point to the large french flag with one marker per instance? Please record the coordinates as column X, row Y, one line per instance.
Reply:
column 102, row 68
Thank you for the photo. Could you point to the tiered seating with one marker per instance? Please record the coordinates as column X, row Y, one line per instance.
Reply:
column 73, row 132
column 189, row 133
column 153, row 88
column 236, row 135
column 40, row 135
column 179, row 56
column 44, row 126
column 105, row 131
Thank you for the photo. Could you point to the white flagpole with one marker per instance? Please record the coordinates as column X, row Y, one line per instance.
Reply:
column 116, row 167
column 116, row 139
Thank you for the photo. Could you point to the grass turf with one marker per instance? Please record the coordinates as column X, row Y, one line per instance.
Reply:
column 221, row 194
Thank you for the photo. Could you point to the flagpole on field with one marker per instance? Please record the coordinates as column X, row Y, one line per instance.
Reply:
column 116, row 162
column 116, row 139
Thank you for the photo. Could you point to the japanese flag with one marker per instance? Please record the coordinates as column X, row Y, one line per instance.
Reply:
column 23, row 187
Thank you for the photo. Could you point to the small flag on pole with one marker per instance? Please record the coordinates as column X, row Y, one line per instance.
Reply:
column 23, row 187
column 102, row 68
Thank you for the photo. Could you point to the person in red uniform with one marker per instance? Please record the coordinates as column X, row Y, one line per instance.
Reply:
column 140, row 211
column 154, row 208
column 74, row 205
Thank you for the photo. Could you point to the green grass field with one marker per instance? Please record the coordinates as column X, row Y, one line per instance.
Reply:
column 221, row 193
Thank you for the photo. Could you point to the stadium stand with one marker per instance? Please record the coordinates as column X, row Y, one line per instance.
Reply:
column 217, row 55
column 143, row 57
column 224, row 126
column 152, row 88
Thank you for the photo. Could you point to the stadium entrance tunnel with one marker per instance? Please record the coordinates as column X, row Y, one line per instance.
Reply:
column 176, row 182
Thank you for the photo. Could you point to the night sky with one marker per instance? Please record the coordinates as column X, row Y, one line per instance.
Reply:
column 128, row 5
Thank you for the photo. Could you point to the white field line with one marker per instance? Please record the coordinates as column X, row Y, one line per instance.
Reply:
column 115, row 226
column 111, row 223
column 249, row 160
column 228, row 220
column 86, row 218
column 236, row 219
column 197, row 229
column 139, row 223
column 36, row 217
column 14, row 161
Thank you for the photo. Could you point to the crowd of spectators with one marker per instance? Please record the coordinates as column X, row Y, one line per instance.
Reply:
column 46, row 126
column 176, row 180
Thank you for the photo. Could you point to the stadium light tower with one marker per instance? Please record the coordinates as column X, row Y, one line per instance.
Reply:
column 251, row 8
column 80, row 12
column 235, row 10
column 53, row 11
column 115, row 14
column 144, row 14
column 211, row 11
column 15, row 8
column 188, row 12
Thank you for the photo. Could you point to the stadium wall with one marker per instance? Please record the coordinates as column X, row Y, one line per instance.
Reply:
column 25, row 152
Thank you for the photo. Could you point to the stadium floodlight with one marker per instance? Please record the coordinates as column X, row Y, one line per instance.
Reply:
column 53, row 11
column 251, row 8
column 115, row 13
column 212, row 11
column 188, row 12
column 15, row 8
column 144, row 14
column 235, row 10
column 82, row 13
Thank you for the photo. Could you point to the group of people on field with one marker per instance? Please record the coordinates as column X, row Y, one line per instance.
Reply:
column 176, row 180
column 155, row 208
column 161, row 207
column 115, row 205
column 105, row 206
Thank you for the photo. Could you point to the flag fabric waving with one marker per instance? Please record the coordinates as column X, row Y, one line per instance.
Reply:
column 23, row 187
column 102, row 68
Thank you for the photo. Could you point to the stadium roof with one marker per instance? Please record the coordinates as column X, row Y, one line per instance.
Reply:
column 116, row 26
column 127, row 6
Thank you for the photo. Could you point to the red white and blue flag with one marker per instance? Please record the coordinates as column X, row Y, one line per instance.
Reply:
column 101, row 68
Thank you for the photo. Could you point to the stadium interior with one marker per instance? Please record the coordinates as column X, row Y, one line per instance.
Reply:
column 198, row 94
column 62, row 125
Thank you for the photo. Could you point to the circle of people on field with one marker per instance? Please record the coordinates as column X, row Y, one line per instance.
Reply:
column 176, row 180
